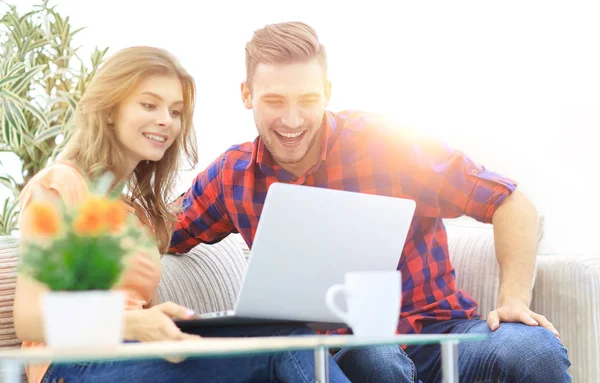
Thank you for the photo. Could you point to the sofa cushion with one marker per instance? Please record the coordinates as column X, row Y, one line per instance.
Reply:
column 9, row 258
column 205, row 279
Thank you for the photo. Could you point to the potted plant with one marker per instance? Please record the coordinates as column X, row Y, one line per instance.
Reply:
column 42, row 77
column 78, row 252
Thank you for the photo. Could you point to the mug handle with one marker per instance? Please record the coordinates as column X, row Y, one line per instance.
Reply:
column 330, row 302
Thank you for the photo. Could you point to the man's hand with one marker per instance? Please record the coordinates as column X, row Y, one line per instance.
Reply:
column 518, row 312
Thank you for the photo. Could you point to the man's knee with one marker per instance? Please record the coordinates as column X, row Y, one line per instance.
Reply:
column 376, row 364
column 532, row 353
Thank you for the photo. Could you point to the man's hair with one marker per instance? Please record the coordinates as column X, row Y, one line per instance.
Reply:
column 284, row 43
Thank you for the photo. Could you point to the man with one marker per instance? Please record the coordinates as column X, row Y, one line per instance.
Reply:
column 300, row 142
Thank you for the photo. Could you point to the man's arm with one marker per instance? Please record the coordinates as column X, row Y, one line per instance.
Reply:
column 204, row 217
column 515, row 228
column 457, row 186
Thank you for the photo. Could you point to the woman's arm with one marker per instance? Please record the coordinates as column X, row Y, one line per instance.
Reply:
column 155, row 323
column 27, row 310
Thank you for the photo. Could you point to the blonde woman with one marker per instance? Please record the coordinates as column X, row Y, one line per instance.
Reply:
column 135, row 120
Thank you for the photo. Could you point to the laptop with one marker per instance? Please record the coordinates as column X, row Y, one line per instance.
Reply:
column 306, row 240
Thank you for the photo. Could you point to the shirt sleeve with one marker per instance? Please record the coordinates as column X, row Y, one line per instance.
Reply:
column 471, row 189
column 203, row 217
column 445, row 182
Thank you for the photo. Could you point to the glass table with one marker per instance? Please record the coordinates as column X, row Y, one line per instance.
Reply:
column 13, row 359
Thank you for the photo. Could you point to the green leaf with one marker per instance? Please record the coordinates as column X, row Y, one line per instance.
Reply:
column 5, row 130
column 46, row 134
column 14, row 107
column 37, row 113
column 42, row 78
column 5, row 66
column 69, row 99
column 98, row 56
column 76, row 31
column 9, row 216
column 12, row 69
column 11, row 20
column 9, row 182
column 16, row 122
column 83, row 263
column 38, row 44
column 6, row 81
column 25, row 80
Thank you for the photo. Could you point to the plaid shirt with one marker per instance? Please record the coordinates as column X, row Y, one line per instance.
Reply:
column 359, row 153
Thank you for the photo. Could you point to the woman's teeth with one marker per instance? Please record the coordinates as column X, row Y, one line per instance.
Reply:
column 155, row 138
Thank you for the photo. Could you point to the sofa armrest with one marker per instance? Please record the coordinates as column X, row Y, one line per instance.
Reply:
column 205, row 279
column 9, row 259
column 567, row 292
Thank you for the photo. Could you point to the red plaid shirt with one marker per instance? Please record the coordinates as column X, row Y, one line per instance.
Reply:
column 360, row 153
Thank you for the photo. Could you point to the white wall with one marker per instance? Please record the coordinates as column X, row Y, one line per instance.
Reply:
column 515, row 84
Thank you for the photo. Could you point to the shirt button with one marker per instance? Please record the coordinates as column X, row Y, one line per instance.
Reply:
column 474, row 172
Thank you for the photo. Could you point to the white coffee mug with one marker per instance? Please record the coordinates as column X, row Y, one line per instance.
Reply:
column 372, row 300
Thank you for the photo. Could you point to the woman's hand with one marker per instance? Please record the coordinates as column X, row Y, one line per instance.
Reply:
column 156, row 324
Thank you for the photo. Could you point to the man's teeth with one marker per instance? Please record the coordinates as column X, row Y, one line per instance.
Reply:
column 155, row 138
column 290, row 135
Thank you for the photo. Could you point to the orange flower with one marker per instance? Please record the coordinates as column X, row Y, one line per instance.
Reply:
column 115, row 215
column 90, row 219
column 44, row 219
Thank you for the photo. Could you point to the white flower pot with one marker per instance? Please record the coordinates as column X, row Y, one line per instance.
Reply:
column 83, row 318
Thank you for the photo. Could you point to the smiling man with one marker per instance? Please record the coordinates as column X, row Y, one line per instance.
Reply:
column 288, row 102
column 300, row 142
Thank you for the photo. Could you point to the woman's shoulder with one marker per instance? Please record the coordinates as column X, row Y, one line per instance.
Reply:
column 62, row 179
column 59, row 170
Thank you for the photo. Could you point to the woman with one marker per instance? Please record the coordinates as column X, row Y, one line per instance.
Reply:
column 135, row 120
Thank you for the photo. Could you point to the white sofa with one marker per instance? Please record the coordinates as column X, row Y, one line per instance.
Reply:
column 567, row 288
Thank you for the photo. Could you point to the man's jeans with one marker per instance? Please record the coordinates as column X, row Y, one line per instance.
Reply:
column 288, row 366
column 513, row 353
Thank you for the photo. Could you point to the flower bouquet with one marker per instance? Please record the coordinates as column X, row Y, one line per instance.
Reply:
column 78, row 253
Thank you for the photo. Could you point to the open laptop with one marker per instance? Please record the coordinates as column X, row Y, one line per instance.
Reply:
column 306, row 240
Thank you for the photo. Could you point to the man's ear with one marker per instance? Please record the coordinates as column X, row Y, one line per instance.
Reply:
column 246, row 95
column 327, row 92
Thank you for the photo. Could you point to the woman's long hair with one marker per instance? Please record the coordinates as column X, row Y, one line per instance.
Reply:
column 94, row 146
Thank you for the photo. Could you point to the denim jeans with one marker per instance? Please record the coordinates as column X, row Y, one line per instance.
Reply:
column 288, row 366
column 513, row 353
